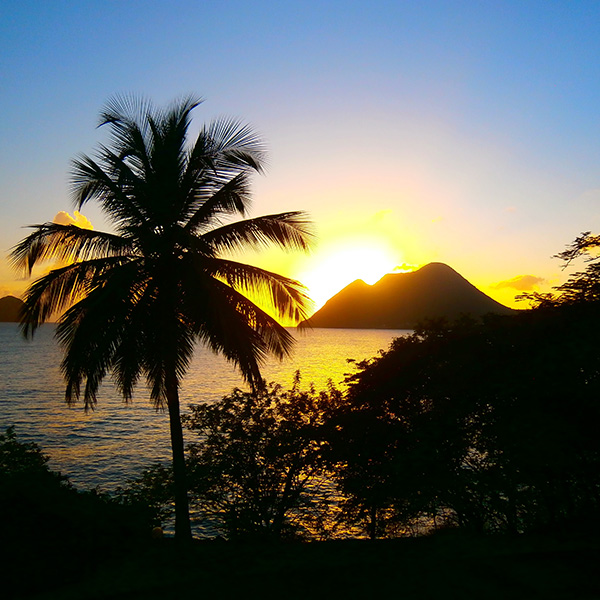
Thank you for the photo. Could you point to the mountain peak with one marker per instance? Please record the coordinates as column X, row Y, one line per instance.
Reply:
column 401, row 300
column 437, row 267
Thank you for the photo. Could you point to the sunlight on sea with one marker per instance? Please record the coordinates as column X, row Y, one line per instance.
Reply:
column 116, row 441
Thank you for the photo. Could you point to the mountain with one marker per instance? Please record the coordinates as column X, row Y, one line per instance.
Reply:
column 401, row 300
column 10, row 308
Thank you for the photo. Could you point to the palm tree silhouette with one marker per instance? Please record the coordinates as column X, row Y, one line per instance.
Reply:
column 140, row 297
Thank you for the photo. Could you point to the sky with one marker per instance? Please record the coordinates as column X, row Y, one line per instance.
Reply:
column 459, row 132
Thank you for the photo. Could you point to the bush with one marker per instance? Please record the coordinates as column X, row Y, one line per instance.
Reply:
column 48, row 523
column 258, row 469
column 488, row 426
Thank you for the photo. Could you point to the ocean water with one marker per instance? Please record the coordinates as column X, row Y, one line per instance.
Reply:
column 106, row 447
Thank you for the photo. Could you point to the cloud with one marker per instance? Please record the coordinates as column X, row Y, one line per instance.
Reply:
column 64, row 218
column 521, row 283
column 405, row 268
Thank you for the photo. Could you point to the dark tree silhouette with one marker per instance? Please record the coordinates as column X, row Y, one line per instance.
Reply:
column 46, row 518
column 490, row 426
column 140, row 297
column 257, row 470
column 582, row 286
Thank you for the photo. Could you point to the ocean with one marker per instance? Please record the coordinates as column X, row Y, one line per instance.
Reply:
column 112, row 444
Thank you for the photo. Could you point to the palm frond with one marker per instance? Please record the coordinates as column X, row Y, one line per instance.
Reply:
column 90, row 342
column 113, row 184
column 286, row 297
column 176, row 121
column 231, row 198
column 226, row 147
column 136, row 125
column 126, row 116
column 52, row 241
column 289, row 231
column 94, row 330
column 232, row 325
column 121, row 110
column 51, row 294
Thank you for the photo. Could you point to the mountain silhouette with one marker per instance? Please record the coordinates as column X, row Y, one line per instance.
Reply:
column 10, row 308
column 401, row 300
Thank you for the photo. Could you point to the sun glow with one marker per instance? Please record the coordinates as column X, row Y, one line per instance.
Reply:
column 335, row 268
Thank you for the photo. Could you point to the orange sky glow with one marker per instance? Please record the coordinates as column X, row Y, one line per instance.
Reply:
column 433, row 131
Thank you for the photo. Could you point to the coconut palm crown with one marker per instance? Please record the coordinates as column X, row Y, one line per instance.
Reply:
column 135, row 301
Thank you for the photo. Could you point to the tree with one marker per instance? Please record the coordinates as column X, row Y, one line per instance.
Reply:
column 139, row 298
column 257, row 470
column 491, row 426
column 46, row 518
column 582, row 287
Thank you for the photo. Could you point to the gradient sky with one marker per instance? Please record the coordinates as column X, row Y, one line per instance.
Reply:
column 461, row 132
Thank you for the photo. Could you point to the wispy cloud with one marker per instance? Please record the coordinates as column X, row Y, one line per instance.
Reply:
column 521, row 283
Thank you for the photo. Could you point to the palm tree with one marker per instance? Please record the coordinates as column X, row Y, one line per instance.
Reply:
column 136, row 300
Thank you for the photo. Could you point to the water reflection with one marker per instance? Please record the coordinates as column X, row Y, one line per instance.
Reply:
column 113, row 443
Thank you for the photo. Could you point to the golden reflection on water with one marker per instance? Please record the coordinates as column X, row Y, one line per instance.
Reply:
column 320, row 355
column 113, row 443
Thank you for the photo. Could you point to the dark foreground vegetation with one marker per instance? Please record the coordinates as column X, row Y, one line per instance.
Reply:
column 451, row 567
column 462, row 462
column 60, row 543
column 504, row 483
column 486, row 427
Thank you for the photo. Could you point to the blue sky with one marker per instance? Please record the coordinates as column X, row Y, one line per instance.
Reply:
column 462, row 132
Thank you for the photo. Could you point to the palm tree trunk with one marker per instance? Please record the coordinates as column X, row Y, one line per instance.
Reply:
column 183, row 530
column 373, row 522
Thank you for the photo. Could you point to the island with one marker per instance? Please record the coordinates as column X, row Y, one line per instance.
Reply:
column 10, row 309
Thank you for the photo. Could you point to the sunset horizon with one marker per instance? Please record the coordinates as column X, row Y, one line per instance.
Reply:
column 410, row 134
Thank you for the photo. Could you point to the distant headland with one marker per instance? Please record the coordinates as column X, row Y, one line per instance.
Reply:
column 10, row 309
column 401, row 300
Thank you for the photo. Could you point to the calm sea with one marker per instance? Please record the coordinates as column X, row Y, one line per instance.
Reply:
column 116, row 441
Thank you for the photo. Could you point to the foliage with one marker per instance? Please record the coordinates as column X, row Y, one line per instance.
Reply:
column 28, row 488
column 489, row 426
column 582, row 286
column 152, row 493
column 22, row 459
column 258, row 469
column 44, row 503
column 48, row 523
column 139, row 298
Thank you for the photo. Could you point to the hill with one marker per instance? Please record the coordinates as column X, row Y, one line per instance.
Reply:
column 10, row 308
column 401, row 300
